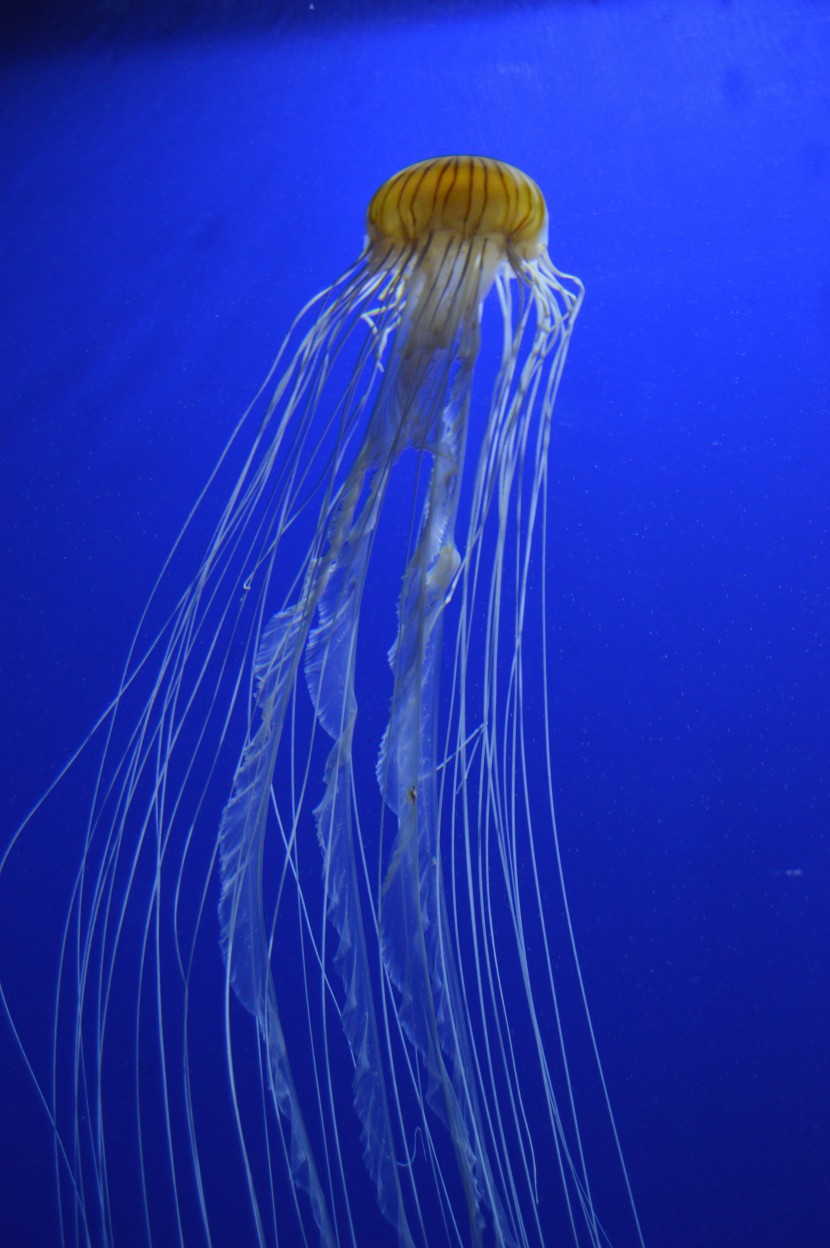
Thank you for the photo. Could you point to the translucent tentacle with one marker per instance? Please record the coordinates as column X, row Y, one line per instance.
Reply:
column 330, row 665
column 415, row 936
column 332, row 589
column 243, row 934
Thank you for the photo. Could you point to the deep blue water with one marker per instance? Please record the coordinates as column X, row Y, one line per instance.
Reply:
column 166, row 207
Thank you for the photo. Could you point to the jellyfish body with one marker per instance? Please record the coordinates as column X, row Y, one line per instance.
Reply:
column 374, row 983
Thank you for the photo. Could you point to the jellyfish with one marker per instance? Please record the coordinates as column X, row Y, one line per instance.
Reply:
column 308, row 956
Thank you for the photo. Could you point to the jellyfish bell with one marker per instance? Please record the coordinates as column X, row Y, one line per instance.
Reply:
column 380, row 975
column 453, row 224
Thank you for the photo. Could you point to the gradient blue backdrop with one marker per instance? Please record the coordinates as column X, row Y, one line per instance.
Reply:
column 166, row 206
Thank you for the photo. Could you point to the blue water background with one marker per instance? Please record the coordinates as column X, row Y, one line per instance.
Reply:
column 166, row 207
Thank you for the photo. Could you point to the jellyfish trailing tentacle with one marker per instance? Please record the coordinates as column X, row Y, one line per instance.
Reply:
column 332, row 595
column 330, row 673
